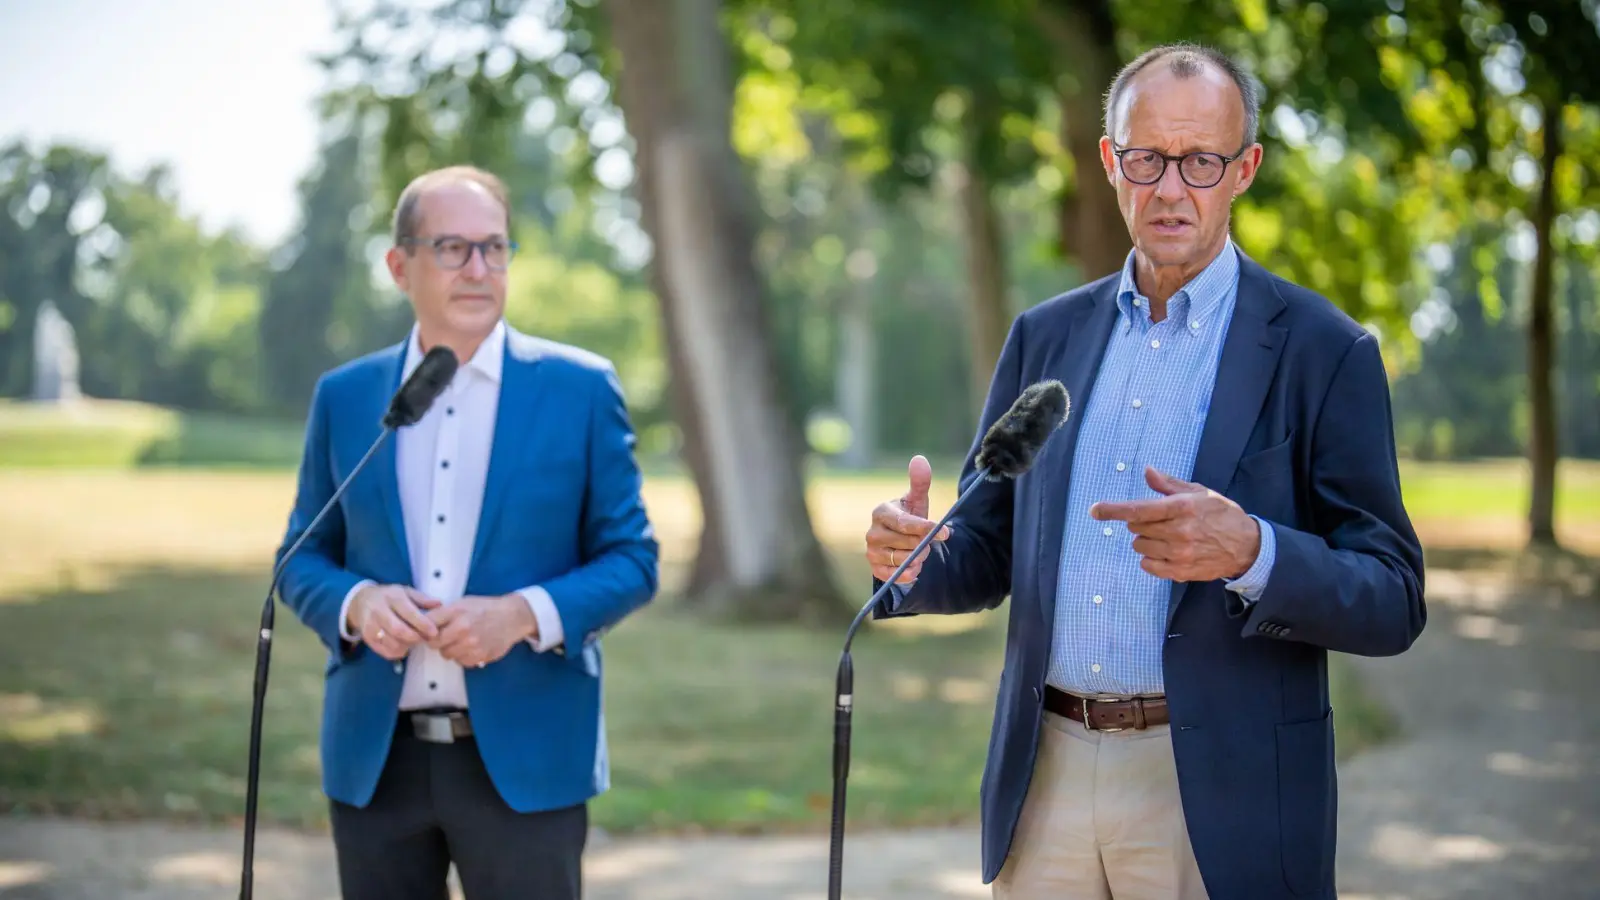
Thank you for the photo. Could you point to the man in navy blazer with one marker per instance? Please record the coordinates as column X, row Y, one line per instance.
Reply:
column 465, row 578
column 1220, row 510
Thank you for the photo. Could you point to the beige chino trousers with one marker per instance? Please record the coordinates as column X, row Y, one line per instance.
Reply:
column 1102, row 820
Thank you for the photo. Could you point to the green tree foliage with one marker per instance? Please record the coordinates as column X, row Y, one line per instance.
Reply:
column 1503, row 91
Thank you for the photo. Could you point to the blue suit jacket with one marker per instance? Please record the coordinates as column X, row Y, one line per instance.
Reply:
column 561, row 509
column 1299, row 433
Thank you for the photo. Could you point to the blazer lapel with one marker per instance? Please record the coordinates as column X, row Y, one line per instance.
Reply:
column 383, row 461
column 1249, row 361
column 1076, row 364
column 513, row 425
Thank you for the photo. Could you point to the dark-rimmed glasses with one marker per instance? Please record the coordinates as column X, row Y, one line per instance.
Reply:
column 1200, row 169
column 452, row 252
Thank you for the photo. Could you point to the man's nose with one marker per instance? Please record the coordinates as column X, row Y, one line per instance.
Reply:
column 1171, row 185
column 476, row 267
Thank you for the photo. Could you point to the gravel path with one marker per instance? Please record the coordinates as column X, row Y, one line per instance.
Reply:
column 1491, row 794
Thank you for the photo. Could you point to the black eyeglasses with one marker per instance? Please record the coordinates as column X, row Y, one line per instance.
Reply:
column 1199, row 169
column 452, row 252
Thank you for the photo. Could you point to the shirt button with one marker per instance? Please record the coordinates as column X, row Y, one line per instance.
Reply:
column 1155, row 345
column 1137, row 302
column 1137, row 403
column 437, row 573
column 451, row 410
column 446, row 464
column 1122, row 466
column 1095, row 667
column 1106, row 531
column 1099, row 599
column 1193, row 326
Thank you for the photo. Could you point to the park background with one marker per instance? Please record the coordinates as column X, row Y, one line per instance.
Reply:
column 816, row 220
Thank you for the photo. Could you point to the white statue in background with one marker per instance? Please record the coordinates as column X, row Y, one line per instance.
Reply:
column 55, row 356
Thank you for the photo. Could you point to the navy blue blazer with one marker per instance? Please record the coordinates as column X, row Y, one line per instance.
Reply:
column 561, row 509
column 1299, row 433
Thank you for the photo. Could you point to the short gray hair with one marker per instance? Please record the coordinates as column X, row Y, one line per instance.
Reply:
column 1186, row 60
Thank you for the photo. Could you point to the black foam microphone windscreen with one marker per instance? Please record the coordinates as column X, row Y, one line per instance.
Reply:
column 1012, row 442
column 414, row 398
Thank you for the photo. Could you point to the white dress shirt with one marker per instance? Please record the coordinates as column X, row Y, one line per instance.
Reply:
column 441, row 463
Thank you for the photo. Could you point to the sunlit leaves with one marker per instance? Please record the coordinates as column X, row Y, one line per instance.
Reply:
column 766, row 108
column 585, row 303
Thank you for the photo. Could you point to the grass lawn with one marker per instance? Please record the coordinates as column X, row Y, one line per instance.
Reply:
column 121, row 434
column 128, row 607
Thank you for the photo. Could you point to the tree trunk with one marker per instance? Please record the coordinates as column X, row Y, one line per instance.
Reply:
column 1580, row 414
column 854, row 382
column 759, row 556
column 989, row 314
column 1542, row 451
column 1092, row 230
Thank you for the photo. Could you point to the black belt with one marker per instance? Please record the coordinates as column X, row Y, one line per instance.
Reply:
column 1107, row 715
column 436, row 726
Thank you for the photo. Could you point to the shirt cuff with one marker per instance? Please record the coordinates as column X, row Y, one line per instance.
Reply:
column 344, row 610
column 1253, row 582
column 544, row 612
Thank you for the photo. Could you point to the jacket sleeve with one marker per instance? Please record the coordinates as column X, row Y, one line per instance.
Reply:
column 619, row 572
column 314, row 583
column 1353, row 583
column 971, row 569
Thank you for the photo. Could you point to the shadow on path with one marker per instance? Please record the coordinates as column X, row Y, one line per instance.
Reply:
column 1491, row 793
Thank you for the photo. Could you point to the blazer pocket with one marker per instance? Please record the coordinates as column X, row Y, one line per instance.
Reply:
column 1305, row 803
column 1266, row 464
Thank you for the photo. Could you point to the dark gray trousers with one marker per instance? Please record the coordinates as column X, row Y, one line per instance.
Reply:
column 435, row 805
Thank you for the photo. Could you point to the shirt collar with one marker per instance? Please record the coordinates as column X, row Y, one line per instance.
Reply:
column 1198, row 300
column 488, row 360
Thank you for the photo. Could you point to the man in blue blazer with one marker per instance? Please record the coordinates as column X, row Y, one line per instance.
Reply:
column 1221, row 509
column 464, row 581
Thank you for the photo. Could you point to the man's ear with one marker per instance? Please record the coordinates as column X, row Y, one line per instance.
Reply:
column 395, row 260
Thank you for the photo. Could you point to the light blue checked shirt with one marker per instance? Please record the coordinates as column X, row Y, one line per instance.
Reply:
column 1148, row 408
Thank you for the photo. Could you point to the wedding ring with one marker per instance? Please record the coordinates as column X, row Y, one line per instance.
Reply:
column 891, row 557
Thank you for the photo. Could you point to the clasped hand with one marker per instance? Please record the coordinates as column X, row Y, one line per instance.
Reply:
column 471, row 631
column 1189, row 533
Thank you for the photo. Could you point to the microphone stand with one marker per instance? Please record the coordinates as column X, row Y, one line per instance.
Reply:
column 843, row 701
column 263, row 658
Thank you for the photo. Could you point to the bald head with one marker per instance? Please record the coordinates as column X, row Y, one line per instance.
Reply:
column 1184, row 61
column 408, row 210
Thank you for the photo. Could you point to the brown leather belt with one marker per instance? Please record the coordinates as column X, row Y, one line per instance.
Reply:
column 1107, row 715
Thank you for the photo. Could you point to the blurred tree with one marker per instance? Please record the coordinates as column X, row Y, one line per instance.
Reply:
column 48, row 203
column 319, row 295
column 174, row 310
column 675, row 85
column 925, row 90
column 1500, row 89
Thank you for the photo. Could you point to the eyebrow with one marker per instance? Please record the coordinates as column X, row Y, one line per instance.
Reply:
column 1187, row 148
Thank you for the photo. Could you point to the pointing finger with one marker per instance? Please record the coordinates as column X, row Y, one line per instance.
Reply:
column 1134, row 511
column 1162, row 483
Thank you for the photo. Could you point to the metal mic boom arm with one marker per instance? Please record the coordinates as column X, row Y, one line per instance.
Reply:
column 263, row 658
column 845, row 689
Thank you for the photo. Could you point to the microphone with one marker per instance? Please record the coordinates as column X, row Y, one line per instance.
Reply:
column 409, row 404
column 1008, row 450
column 416, row 396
